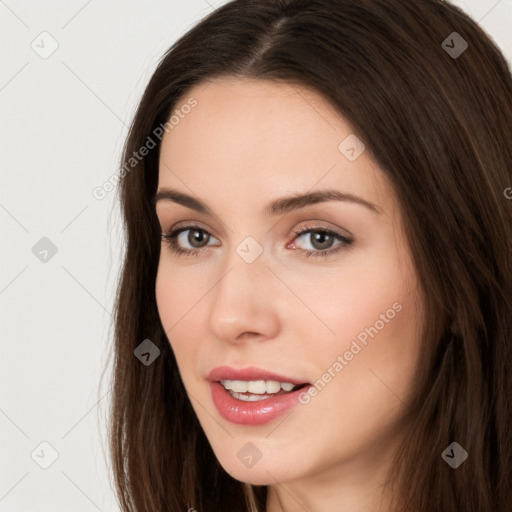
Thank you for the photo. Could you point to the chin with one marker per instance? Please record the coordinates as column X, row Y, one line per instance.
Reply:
column 274, row 470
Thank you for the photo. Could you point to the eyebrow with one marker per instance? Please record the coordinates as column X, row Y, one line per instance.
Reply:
column 276, row 207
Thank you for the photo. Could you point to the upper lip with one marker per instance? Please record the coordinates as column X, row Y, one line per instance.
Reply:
column 248, row 373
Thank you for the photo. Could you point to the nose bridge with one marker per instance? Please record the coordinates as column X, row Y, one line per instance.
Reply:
column 245, row 267
column 242, row 299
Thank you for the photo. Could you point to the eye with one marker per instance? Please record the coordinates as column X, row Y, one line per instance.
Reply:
column 197, row 237
column 321, row 240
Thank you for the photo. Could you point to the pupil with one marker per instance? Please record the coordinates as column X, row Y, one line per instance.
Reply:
column 196, row 237
column 321, row 238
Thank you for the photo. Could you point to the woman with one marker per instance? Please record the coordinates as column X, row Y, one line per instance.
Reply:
column 251, row 374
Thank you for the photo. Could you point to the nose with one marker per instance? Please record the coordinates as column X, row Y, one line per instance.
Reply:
column 245, row 302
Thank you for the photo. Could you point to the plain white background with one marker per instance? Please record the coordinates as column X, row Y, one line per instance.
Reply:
column 63, row 121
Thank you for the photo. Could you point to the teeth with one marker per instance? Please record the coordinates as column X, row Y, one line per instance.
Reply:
column 240, row 386
column 257, row 387
column 271, row 386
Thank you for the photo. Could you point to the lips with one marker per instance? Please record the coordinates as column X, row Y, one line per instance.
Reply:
column 246, row 408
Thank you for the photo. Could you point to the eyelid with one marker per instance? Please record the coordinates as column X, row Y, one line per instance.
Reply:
column 190, row 224
column 317, row 225
column 343, row 241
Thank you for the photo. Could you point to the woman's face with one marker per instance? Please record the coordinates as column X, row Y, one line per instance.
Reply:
column 336, row 308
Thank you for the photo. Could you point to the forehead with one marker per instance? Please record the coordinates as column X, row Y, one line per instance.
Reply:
column 242, row 107
column 257, row 136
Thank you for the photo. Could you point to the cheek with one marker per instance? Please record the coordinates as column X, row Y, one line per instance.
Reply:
column 363, row 396
column 351, row 297
column 178, row 301
column 177, row 290
column 372, row 307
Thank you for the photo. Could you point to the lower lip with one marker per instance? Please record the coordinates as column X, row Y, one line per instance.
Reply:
column 252, row 413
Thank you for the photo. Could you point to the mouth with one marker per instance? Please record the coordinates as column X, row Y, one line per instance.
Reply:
column 256, row 390
column 252, row 396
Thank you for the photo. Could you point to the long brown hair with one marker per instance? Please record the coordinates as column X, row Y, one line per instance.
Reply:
column 440, row 126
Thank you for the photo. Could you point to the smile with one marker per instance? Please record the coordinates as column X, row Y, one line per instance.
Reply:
column 252, row 396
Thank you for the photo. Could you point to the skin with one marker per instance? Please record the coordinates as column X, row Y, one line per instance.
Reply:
column 246, row 143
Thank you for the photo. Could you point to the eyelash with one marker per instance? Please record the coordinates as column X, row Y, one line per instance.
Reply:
column 170, row 239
